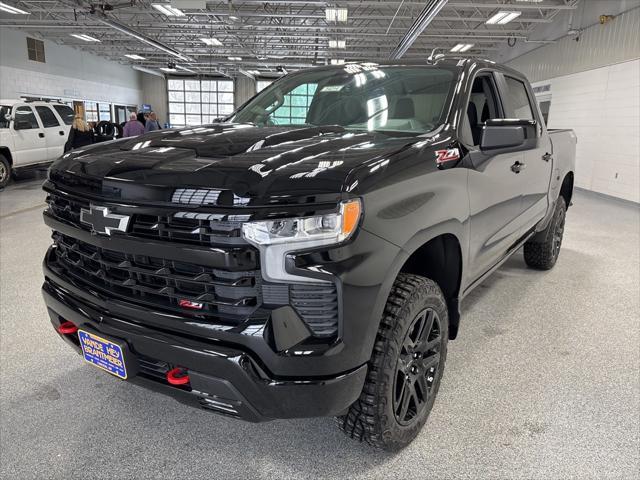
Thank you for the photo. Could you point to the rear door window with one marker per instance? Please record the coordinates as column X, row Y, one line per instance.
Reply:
column 25, row 114
column 66, row 113
column 47, row 117
column 518, row 103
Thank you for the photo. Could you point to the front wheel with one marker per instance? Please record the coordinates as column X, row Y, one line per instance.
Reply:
column 543, row 254
column 5, row 171
column 405, row 369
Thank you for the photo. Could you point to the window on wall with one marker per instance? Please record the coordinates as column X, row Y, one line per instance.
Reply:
column 35, row 50
column 198, row 102
column 293, row 110
column 91, row 111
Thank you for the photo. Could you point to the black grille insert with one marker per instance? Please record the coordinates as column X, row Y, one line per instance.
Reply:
column 160, row 282
column 317, row 305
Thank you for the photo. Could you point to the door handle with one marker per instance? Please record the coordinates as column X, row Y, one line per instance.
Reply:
column 518, row 167
column 546, row 157
column 61, row 132
column 41, row 135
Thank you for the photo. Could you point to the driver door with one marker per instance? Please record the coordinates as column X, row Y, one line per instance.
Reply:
column 29, row 137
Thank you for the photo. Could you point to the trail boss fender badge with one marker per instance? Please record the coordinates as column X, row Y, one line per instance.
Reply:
column 446, row 156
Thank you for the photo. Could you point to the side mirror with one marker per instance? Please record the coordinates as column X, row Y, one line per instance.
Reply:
column 21, row 125
column 509, row 134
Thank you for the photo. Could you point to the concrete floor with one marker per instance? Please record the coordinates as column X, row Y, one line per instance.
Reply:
column 543, row 381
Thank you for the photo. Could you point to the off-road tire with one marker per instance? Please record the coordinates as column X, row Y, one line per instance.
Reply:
column 372, row 418
column 543, row 255
column 5, row 171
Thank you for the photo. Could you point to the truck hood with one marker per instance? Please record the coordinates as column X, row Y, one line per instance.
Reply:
column 265, row 165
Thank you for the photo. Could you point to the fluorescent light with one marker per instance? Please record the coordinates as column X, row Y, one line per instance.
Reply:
column 337, row 44
column 503, row 17
column 143, row 38
column 167, row 69
column 184, row 69
column 147, row 70
column 212, row 42
column 336, row 14
column 168, row 10
column 337, row 61
column 254, row 72
column 462, row 47
column 84, row 37
column 235, row 59
column 15, row 11
column 134, row 56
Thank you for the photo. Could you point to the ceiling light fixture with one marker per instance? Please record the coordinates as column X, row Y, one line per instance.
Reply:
column 212, row 42
column 143, row 38
column 168, row 10
column 184, row 69
column 134, row 56
column 337, row 44
column 336, row 14
column 13, row 10
column 168, row 69
column 147, row 70
column 337, row 61
column 86, row 38
column 503, row 17
column 235, row 59
column 462, row 47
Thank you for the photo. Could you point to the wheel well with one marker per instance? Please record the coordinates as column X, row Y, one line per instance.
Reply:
column 7, row 154
column 440, row 259
column 566, row 190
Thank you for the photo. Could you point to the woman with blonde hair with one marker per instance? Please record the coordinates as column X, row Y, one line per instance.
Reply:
column 80, row 134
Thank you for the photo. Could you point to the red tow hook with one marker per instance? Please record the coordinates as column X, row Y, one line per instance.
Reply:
column 67, row 328
column 177, row 376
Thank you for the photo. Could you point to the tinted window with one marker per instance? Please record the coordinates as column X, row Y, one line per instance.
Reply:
column 518, row 105
column 4, row 111
column 25, row 114
column 66, row 113
column 47, row 116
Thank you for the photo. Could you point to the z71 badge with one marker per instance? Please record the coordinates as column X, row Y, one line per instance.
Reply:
column 445, row 156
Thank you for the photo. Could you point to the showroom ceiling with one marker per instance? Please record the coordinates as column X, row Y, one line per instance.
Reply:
column 258, row 37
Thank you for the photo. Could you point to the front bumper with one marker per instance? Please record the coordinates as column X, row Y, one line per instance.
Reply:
column 224, row 379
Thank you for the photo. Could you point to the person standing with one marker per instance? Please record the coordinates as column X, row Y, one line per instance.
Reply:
column 133, row 127
column 152, row 123
column 80, row 135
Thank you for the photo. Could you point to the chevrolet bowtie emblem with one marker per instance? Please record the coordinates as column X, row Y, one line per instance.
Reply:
column 104, row 222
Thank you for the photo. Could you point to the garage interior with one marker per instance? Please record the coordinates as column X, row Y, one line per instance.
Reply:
column 543, row 380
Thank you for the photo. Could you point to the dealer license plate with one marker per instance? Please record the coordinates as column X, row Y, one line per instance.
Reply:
column 103, row 353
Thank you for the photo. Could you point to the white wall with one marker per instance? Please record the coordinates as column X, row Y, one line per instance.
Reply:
column 599, row 45
column 603, row 107
column 68, row 73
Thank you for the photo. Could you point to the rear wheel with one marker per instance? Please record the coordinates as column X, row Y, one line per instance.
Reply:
column 543, row 254
column 5, row 171
column 405, row 368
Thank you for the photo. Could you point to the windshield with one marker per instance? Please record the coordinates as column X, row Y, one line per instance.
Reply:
column 4, row 111
column 358, row 97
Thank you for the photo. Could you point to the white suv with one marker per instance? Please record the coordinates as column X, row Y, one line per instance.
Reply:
column 31, row 132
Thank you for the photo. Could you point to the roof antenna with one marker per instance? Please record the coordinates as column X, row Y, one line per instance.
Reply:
column 433, row 57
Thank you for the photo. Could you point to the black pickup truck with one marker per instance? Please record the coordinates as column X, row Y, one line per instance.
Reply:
column 307, row 255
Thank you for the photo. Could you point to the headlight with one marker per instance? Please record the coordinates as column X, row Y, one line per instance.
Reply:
column 276, row 238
